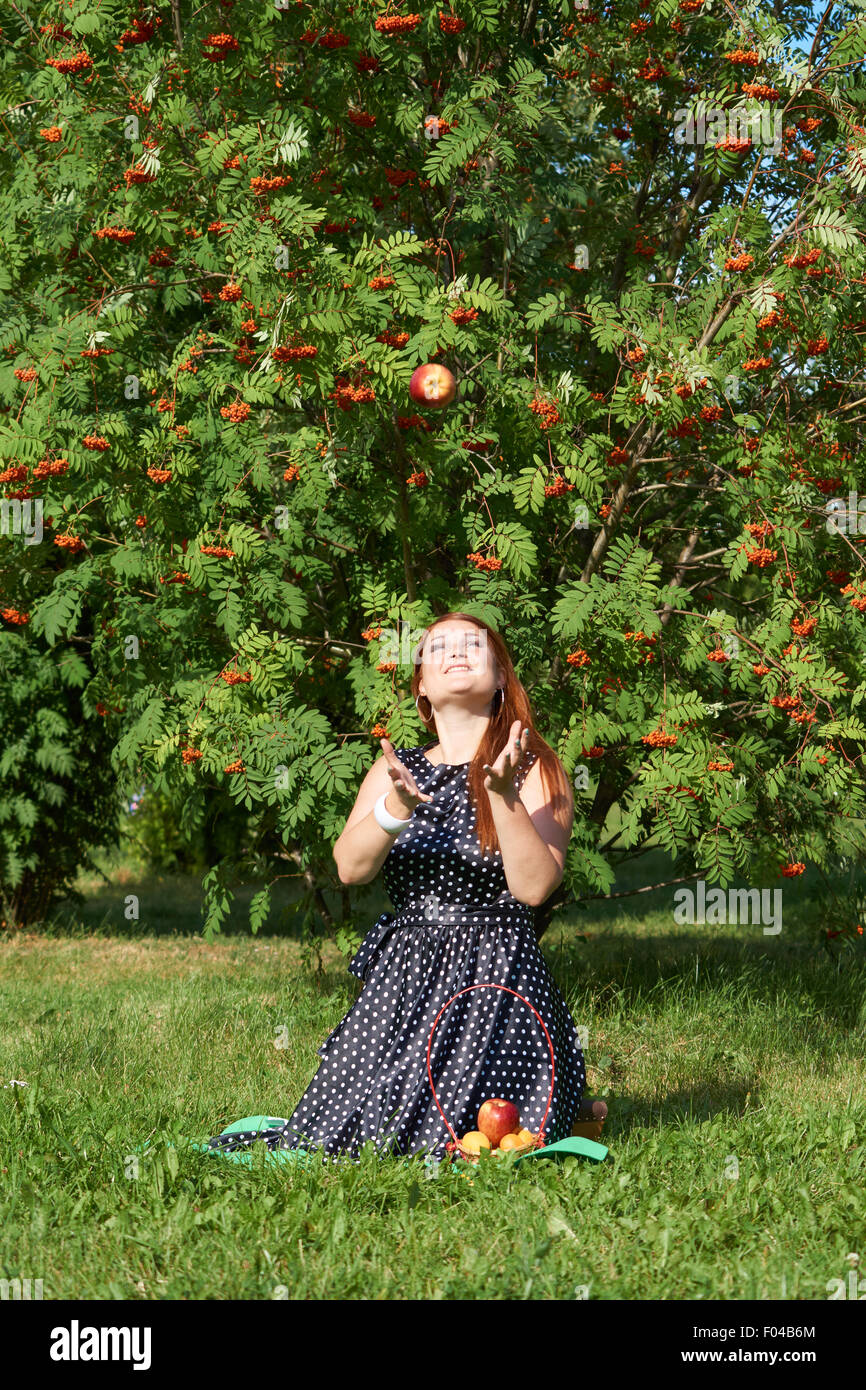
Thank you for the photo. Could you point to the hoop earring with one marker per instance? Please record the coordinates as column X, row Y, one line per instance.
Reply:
column 425, row 718
column 496, row 705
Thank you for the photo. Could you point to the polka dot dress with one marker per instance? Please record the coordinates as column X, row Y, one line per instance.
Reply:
column 456, row 924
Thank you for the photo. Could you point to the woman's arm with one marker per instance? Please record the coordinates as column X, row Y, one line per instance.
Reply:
column 532, row 837
column 364, row 846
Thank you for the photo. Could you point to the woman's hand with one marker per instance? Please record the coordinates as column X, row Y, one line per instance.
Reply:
column 500, row 777
column 405, row 787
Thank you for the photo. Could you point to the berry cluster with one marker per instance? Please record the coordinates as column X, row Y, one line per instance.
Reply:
column 770, row 320
column 52, row 133
column 451, row 23
column 141, row 31
column 236, row 677
column 386, row 666
column 346, row 395
column 659, row 739
column 289, row 354
column 460, row 316
column 231, row 293
column 718, row 654
column 179, row 577
column 785, row 702
column 720, row 767
column 483, row 562
column 596, row 751
column 792, row 870
column 137, row 175
column 762, row 557
column 141, row 520
column 380, row 282
column 268, row 185
column 26, row 373
column 95, row 441
column 393, row 339
column 711, row 413
column 747, row 56
column 757, row 364
column 804, row 627
column 122, row 234
column 815, row 346
column 191, row 755
column 688, row 428
column 799, row 262
column 370, row 633
column 236, row 766
column 741, row 262
column 222, row 552
column 419, row 479
column 72, row 543
column 159, row 475
column 79, row 63
column 94, row 353
column 50, row 468
column 16, row 474
column 291, row 473
column 237, row 412
column 331, row 39
column 578, row 658
column 480, row 446
column 557, row 488
column 406, row 422
column 650, row 70
column 12, row 615
column 397, row 23
column 760, row 669
column 362, row 118
column 397, row 177
column 858, row 599
column 221, row 45
column 549, row 415
column 760, row 91
column 733, row 144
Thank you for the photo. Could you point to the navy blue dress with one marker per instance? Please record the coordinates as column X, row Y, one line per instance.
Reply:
column 456, row 924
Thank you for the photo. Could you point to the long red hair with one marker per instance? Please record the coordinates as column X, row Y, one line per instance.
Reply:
column 515, row 705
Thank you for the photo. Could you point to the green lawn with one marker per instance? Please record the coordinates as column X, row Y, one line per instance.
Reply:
column 731, row 1062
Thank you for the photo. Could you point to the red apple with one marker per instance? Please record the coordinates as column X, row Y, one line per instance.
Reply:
column 432, row 385
column 498, row 1117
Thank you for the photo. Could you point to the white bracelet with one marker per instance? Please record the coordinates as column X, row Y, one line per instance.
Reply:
column 388, row 822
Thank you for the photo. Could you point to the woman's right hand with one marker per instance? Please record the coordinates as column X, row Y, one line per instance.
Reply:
column 405, row 788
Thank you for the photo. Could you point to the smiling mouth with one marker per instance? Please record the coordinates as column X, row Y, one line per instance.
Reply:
column 459, row 666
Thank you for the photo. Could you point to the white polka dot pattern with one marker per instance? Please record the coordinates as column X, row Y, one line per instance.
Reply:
column 456, row 924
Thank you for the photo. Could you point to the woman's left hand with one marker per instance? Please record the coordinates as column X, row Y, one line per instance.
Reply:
column 500, row 777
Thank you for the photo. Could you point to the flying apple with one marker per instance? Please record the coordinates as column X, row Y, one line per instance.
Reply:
column 432, row 385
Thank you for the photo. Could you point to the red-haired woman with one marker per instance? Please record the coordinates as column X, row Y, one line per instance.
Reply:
column 471, row 833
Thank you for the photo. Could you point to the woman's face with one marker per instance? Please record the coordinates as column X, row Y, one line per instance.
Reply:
column 457, row 659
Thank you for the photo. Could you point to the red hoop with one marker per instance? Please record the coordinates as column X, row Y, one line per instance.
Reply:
column 455, row 1146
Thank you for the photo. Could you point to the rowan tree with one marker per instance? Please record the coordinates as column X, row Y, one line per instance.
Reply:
column 633, row 232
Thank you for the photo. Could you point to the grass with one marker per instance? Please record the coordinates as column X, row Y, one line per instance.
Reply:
column 731, row 1062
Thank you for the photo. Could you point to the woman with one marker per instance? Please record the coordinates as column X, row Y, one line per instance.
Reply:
column 471, row 833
